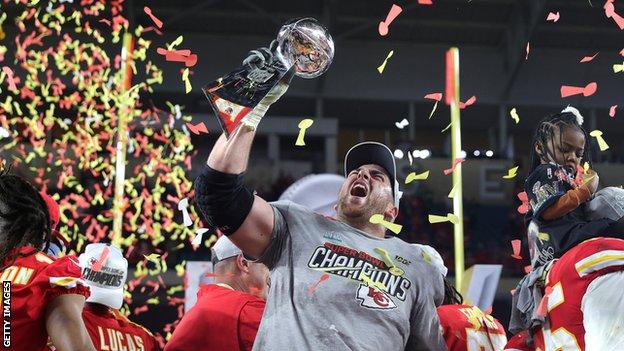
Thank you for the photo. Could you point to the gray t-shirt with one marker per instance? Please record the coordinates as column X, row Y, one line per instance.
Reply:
column 334, row 287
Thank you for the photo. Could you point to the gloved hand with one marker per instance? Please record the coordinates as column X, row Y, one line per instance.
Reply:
column 259, row 57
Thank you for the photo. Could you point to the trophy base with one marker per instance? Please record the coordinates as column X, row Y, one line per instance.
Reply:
column 234, row 96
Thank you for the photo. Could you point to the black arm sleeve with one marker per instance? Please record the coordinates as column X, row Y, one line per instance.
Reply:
column 222, row 199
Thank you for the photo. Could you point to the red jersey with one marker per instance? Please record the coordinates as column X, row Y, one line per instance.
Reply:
column 110, row 330
column 222, row 320
column 519, row 342
column 569, row 278
column 467, row 328
column 28, row 285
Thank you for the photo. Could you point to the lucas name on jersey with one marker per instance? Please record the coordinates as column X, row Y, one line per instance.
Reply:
column 114, row 340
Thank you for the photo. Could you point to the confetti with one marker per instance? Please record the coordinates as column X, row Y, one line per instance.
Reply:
column 10, row 78
column 553, row 16
column 528, row 49
column 409, row 154
column 153, row 257
column 511, row 173
column 395, row 10
column 472, row 100
column 425, row 2
column 197, row 128
column 450, row 217
column 413, row 176
column 434, row 96
column 315, row 286
column 622, row 52
column 602, row 144
column 610, row 13
column 198, row 237
column 183, row 206
column 542, row 308
column 515, row 245
column 453, row 191
column 187, row 82
column 402, row 124
column 588, row 58
column 514, row 115
column 617, row 68
column 612, row 111
column 156, row 21
column 379, row 219
column 588, row 90
column 456, row 162
column 303, row 126
column 381, row 68
column 385, row 256
column 524, row 207
column 97, row 265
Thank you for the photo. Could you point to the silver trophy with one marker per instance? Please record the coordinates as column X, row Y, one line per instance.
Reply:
column 304, row 48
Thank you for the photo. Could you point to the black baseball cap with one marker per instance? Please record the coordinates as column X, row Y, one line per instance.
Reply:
column 372, row 152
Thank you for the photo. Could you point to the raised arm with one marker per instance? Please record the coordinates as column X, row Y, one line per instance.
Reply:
column 65, row 325
column 224, row 200
column 220, row 194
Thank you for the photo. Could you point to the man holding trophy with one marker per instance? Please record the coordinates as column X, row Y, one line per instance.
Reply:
column 335, row 283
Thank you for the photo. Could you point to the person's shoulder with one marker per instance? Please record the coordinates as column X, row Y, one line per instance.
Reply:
column 425, row 255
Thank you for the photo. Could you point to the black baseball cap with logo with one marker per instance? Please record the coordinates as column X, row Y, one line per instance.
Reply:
column 372, row 152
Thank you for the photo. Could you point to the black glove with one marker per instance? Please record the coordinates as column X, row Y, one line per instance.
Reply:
column 261, row 56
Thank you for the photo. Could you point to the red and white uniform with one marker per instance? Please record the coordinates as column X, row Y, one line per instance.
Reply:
column 110, row 330
column 519, row 342
column 578, row 278
column 467, row 328
column 29, row 284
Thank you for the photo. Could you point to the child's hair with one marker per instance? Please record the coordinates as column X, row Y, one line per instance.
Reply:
column 25, row 216
column 451, row 295
column 545, row 131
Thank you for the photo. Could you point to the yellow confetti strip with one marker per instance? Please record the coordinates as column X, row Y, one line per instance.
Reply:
column 381, row 68
column 303, row 125
column 413, row 176
column 453, row 192
column 385, row 255
column 511, row 173
column 543, row 236
column 514, row 115
column 187, row 83
column 379, row 219
column 153, row 257
column 618, row 68
column 602, row 144
column 440, row 219
column 433, row 110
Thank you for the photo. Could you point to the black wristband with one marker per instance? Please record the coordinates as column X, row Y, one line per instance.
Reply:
column 223, row 199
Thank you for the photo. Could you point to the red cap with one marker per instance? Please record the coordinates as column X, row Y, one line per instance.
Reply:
column 53, row 209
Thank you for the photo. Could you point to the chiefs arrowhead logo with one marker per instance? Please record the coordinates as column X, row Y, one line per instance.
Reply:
column 372, row 298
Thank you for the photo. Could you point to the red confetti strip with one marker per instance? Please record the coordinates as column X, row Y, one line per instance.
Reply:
column 612, row 111
column 542, row 308
column 197, row 128
column 524, row 208
column 98, row 264
column 455, row 163
column 315, row 286
column 10, row 77
column 471, row 101
column 434, row 96
column 610, row 13
column 553, row 16
column 589, row 58
column 515, row 245
column 425, row 2
column 156, row 21
column 588, row 90
column 395, row 10
column 622, row 52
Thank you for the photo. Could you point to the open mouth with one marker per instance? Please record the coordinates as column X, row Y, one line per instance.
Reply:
column 359, row 190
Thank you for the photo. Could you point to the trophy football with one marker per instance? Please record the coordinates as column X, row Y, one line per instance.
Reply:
column 304, row 48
